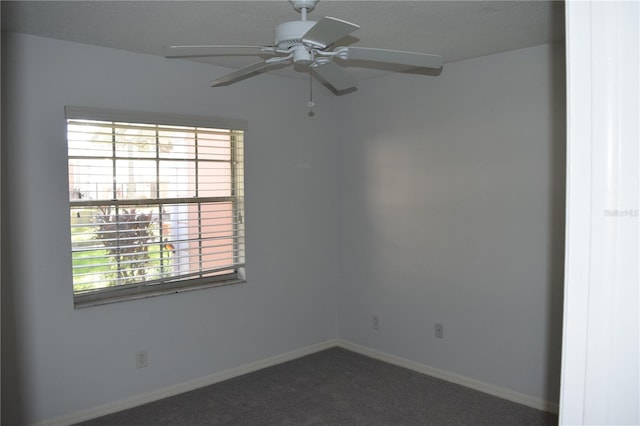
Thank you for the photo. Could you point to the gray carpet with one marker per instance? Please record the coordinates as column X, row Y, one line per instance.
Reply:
column 332, row 387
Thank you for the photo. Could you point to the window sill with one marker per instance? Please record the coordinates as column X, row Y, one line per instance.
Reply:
column 145, row 292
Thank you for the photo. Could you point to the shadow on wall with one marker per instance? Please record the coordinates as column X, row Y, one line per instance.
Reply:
column 12, row 401
column 557, row 214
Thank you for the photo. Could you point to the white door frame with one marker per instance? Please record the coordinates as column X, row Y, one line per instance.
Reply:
column 600, row 361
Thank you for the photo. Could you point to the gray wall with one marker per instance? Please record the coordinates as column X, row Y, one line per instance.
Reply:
column 416, row 199
column 70, row 359
column 452, row 212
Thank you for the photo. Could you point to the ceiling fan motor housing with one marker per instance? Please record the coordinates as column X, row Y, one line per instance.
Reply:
column 290, row 33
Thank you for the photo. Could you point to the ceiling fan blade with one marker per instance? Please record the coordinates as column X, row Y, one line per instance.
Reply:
column 209, row 46
column 242, row 73
column 334, row 75
column 200, row 51
column 327, row 31
column 399, row 57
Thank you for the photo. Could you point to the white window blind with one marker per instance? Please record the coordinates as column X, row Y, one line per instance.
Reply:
column 156, row 203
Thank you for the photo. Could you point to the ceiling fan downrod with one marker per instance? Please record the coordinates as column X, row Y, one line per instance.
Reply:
column 303, row 7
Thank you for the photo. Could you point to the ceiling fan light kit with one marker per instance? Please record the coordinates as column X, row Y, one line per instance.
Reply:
column 310, row 45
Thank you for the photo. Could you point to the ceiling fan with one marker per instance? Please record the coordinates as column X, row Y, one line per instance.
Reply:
column 310, row 45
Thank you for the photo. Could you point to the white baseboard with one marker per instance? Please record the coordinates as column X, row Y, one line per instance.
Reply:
column 500, row 392
column 113, row 407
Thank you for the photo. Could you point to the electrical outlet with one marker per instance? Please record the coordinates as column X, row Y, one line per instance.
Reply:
column 375, row 323
column 439, row 331
column 142, row 359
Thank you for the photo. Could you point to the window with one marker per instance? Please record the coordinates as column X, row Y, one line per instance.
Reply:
column 156, row 203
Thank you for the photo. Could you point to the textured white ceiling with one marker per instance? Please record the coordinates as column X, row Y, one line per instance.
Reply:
column 455, row 29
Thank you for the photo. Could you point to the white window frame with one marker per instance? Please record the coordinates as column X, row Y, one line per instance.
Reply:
column 156, row 287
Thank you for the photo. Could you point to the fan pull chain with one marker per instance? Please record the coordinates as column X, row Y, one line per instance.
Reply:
column 311, row 104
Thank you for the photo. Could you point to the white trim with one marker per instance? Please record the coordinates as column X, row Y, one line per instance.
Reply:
column 144, row 398
column 487, row 388
column 600, row 383
column 578, row 211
